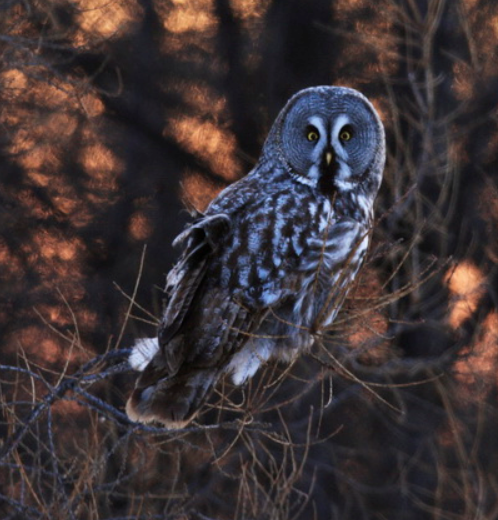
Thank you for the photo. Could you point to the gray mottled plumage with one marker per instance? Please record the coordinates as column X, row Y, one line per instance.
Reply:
column 270, row 261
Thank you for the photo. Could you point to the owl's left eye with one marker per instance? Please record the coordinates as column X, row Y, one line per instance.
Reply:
column 346, row 133
column 312, row 133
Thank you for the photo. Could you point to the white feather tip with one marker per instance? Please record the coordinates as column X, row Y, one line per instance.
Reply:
column 143, row 351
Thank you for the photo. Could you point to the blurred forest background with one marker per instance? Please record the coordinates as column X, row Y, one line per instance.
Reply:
column 114, row 116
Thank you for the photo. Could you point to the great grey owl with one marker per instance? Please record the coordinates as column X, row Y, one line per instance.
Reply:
column 268, row 265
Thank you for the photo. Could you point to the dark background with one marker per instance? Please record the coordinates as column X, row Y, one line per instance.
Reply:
column 114, row 117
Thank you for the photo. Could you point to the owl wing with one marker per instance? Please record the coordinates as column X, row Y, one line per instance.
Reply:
column 202, row 239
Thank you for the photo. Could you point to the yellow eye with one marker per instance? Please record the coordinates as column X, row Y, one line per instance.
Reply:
column 312, row 134
column 346, row 133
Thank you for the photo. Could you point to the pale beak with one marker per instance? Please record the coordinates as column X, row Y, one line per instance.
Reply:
column 328, row 157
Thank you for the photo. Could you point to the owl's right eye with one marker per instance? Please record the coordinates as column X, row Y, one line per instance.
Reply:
column 312, row 133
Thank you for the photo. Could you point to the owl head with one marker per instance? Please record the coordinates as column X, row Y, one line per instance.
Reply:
column 330, row 138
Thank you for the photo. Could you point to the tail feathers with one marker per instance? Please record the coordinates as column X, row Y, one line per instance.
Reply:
column 173, row 401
